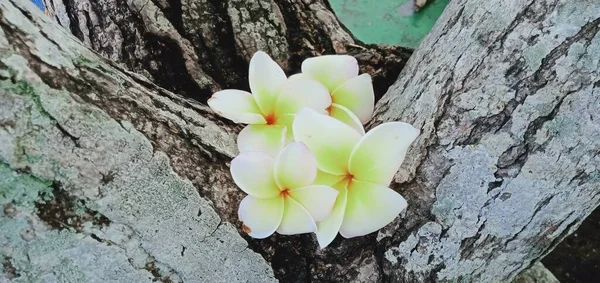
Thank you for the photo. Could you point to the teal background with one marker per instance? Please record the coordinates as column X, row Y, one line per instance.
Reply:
column 380, row 22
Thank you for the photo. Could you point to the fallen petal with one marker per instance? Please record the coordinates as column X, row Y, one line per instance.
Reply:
column 261, row 217
column 301, row 91
column 287, row 121
column 358, row 96
column 296, row 219
column 331, row 70
column 381, row 151
column 328, row 228
column 345, row 115
column 295, row 167
column 262, row 138
column 253, row 173
column 369, row 208
column 265, row 77
column 317, row 200
column 236, row 105
column 326, row 179
column 330, row 140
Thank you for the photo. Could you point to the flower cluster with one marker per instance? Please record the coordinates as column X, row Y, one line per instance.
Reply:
column 305, row 160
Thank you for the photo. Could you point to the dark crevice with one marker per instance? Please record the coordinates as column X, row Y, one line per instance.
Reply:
column 9, row 271
column 168, row 68
column 62, row 211
column 220, row 59
column 73, row 19
column 155, row 271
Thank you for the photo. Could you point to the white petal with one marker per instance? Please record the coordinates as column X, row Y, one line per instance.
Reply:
column 253, row 173
column 236, row 105
column 345, row 115
column 328, row 228
column 265, row 77
column 369, row 208
column 381, row 151
column 262, row 138
column 330, row 140
column 261, row 216
column 287, row 121
column 296, row 219
column 295, row 167
column 301, row 91
column 357, row 95
column 326, row 179
column 317, row 200
column 331, row 70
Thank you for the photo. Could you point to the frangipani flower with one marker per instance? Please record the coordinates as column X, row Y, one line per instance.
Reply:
column 281, row 195
column 269, row 109
column 339, row 73
column 360, row 167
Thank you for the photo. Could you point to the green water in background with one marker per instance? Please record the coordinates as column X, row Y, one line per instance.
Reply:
column 379, row 21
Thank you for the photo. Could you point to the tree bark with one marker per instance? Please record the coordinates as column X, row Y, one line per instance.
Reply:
column 113, row 177
column 194, row 48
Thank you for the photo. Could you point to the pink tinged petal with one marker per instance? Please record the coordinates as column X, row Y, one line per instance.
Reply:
column 295, row 167
column 253, row 173
column 345, row 115
column 331, row 70
column 326, row 179
column 330, row 140
column 261, row 217
column 301, row 91
column 265, row 77
column 262, row 138
column 287, row 121
column 317, row 200
column 328, row 228
column 296, row 219
column 370, row 207
column 357, row 95
column 381, row 151
column 236, row 105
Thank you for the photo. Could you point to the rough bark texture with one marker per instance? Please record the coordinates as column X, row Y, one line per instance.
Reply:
column 507, row 95
column 115, row 178
column 194, row 47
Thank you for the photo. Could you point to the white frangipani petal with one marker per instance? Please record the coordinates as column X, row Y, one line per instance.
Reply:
column 287, row 121
column 253, row 173
column 295, row 167
column 381, row 151
column 265, row 77
column 345, row 115
column 261, row 217
column 358, row 96
column 369, row 208
column 262, row 138
column 331, row 70
column 328, row 228
column 296, row 219
column 301, row 91
column 236, row 105
column 326, row 179
column 330, row 140
column 317, row 200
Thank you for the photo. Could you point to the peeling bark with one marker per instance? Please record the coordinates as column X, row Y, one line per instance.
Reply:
column 506, row 96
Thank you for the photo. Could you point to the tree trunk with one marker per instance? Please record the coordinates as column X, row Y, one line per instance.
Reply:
column 106, row 175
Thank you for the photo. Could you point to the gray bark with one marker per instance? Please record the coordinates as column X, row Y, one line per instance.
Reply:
column 507, row 95
column 106, row 175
